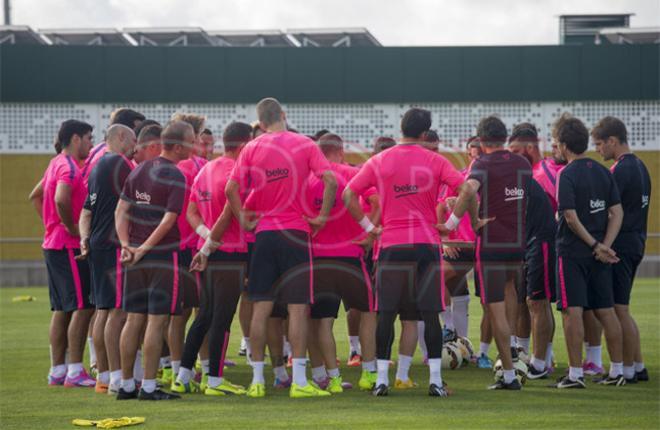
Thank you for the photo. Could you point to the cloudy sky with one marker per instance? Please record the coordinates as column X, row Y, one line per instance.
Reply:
column 393, row 22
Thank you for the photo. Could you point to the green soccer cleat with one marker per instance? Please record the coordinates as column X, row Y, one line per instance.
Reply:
column 167, row 377
column 224, row 389
column 256, row 391
column 181, row 388
column 204, row 383
column 335, row 385
column 309, row 390
column 367, row 380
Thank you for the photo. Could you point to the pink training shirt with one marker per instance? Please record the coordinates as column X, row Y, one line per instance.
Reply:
column 61, row 170
column 408, row 179
column 546, row 173
column 275, row 167
column 464, row 231
column 190, row 168
column 208, row 193
column 336, row 238
column 94, row 156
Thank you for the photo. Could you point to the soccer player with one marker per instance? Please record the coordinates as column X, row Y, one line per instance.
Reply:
column 68, row 278
column 634, row 183
column 590, row 217
column 340, row 273
column 149, row 145
column 98, row 242
column 502, row 180
column 409, row 279
column 205, row 144
column 275, row 166
column 145, row 219
column 224, row 279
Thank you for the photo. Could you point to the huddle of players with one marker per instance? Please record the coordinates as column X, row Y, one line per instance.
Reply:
column 270, row 210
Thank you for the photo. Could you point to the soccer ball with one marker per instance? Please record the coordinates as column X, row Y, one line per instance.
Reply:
column 466, row 348
column 451, row 357
column 522, row 355
column 518, row 366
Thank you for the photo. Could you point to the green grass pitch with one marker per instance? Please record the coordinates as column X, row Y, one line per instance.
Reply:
column 26, row 401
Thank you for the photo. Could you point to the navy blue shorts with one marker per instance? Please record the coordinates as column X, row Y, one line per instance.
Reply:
column 68, row 280
column 584, row 282
column 107, row 278
column 151, row 286
column 337, row 279
column 540, row 272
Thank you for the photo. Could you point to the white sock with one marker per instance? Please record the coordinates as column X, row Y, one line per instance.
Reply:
column 616, row 369
column 176, row 365
column 299, row 371
column 74, row 370
column 138, row 371
column 149, row 385
column 369, row 366
column 574, row 373
column 548, row 355
column 333, row 373
column 354, row 341
column 319, row 373
column 420, row 339
column 92, row 351
column 115, row 378
column 205, row 366
column 58, row 371
column 184, row 375
column 403, row 366
column 523, row 342
column 383, row 368
column 103, row 377
column 447, row 318
column 459, row 310
column 594, row 355
column 215, row 381
column 128, row 385
column 509, row 376
column 165, row 361
column 435, row 371
column 538, row 364
column 483, row 348
column 628, row 372
column 512, row 341
column 639, row 366
column 280, row 373
column 248, row 346
column 258, row 372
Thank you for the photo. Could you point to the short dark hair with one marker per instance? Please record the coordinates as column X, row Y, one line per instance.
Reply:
column 145, row 124
column 524, row 132
column 610, row 127
column 175, row 134
column 431, row 136
column 491, row 131
column 209, row 132
column 320, row 133
column 330, row 143
column 149, row 133
column 574, row 134
column 127, row 117
column 236, row 134
column 472, row 141
column 415, row 122
column 382, row 143
column 70, row 128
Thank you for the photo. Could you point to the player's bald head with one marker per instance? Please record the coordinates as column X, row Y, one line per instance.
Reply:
column 118, row 132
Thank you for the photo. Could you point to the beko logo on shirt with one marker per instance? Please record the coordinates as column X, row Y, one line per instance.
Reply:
column 92, row 199
column 204, row 196
column 142, row 198
column 514, row 193
column 596, row 206
column 645, row 200
column 277, row 174
column 405, row 190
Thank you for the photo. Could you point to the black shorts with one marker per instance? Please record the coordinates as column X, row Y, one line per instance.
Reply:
column 540, row 272
column 280, row 310
column 584, row 282
column 281, row 267
column 107, row 278
column 151, row 286
column 624, row 276
column 464, row 262
column 493, row 269
column 337, row 279
column 68, row 280
column 222, row 284
column 189, row 282
column 409, row 279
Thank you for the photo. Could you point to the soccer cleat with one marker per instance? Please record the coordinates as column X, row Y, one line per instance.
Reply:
column 404, row 385
column 501, row 385
column 355, row 360
column 113, row 389
column 157, row 394
column 335, row 385
column 436, row 391
column 126, row 395
column 82, row 380
column 380, row 390
column 592, row 369
column 56, row 380
column 224, row 389
column 532, row 373
column 632, row 380
column 566, row 382
column 367, row 380
column 346, row 385
column 617, row 381
column 279, row 384
column 181, row 388
column 642, row 375
column 309, row 390
column 204, row 382
column 448, row 335
column 167, row 377
column 484, row 362
column 256, row 391
column 101, row 388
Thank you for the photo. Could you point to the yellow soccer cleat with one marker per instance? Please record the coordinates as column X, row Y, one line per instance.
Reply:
column 309, row 390
column 367, row 380
column 404, row 385
column 181, row 388
column 335, row 385
column 256, row 391
column 224, row 389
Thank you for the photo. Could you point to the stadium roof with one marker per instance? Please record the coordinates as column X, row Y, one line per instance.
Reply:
column 251, row 38
column 631, row 35
column 171, row 36
column 89, row 36
column 20, row 35
column 340, row 37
